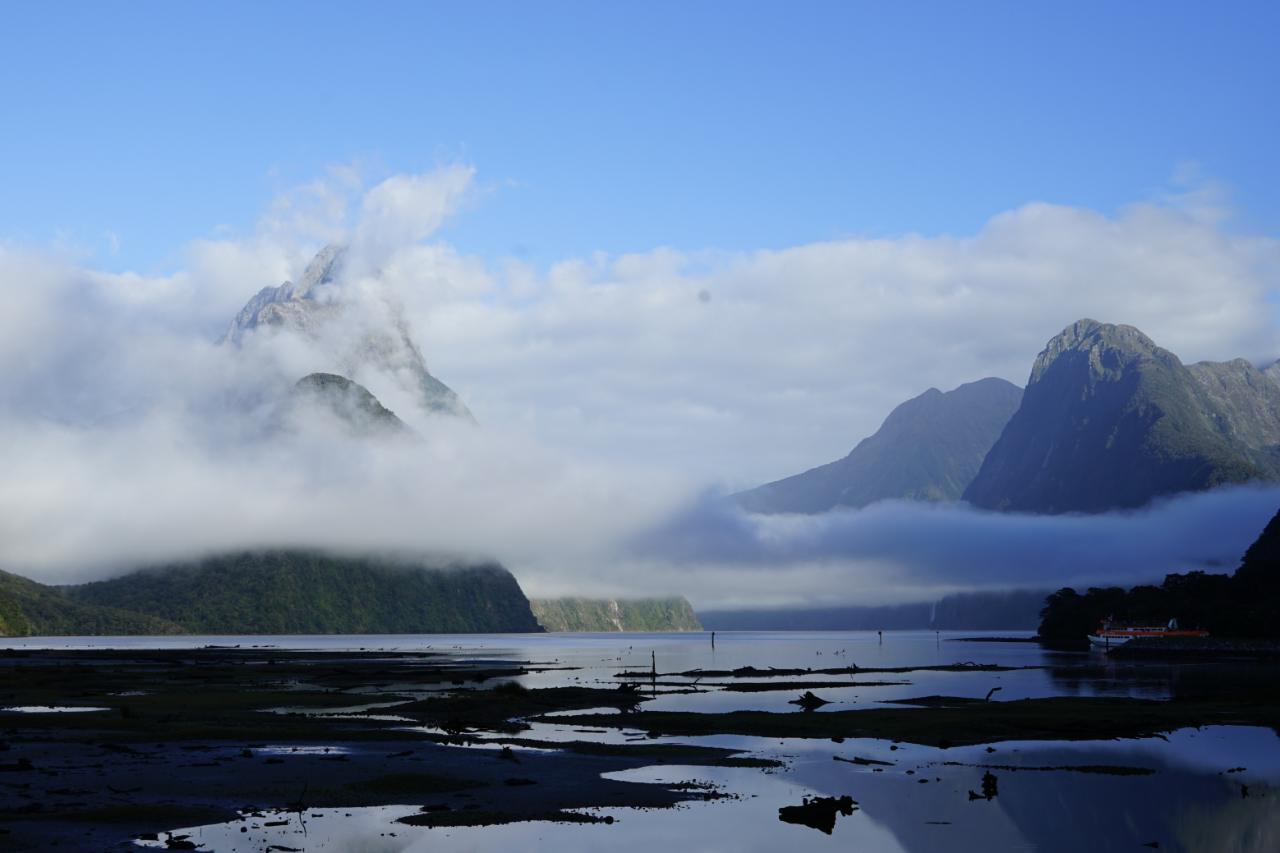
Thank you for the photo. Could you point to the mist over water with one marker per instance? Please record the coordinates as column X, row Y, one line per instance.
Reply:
column 609, row 395
column 896, row 551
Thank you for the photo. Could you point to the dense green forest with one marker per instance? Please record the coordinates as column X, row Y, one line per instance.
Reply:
column 636, row 614
column 31, row 609
column 1244, row 604
column 306, row 592
column 274, row 592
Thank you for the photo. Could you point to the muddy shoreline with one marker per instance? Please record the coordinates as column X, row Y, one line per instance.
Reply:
column 212, row 735
column 262, row 735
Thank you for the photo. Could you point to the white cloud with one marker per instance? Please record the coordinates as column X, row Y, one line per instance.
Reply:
column 897, row 551
column 80, row 502
column 609, row 389
column 403, row 210
column 790, row 357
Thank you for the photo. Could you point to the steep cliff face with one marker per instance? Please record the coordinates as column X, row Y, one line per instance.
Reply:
column 304, row 592
column 606, row 614
column 929, row 448
column 1110, row 420
column 361, row 338
column 1244, row 403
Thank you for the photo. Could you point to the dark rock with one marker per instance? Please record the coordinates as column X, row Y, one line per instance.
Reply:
column 818, row 812
column 808, row 701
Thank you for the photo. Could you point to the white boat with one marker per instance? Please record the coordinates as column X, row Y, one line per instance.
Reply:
column 1109, row 635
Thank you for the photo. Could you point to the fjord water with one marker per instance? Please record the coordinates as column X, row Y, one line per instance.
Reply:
column 1209, row 789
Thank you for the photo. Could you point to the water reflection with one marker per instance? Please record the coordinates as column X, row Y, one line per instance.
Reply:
column 913, row 799
column 1209, row 789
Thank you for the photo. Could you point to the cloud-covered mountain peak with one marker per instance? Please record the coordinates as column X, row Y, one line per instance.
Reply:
column 289, row 303
column 354, row 331
column 323, row 269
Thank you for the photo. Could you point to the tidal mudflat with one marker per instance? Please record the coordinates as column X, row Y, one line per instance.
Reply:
column 578, row 741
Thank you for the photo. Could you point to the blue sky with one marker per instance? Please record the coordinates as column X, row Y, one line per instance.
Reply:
column 623, row 127
column 897, row 195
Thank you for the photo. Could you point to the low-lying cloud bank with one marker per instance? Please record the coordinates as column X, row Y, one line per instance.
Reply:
column 79, row 503
column 610, row 391
column 904, row 551
column 130, row 434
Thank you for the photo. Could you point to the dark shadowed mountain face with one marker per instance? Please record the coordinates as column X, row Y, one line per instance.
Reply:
column 929, row 448
column 1261, row 564
column 303, row 592
column 348, row 402
column 1110, row 420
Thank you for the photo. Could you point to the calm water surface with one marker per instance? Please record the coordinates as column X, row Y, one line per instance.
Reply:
column 1198, row 797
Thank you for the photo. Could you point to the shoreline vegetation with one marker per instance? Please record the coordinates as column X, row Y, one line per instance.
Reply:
column 1241, row 611
column 275, row 592
column 284, row 592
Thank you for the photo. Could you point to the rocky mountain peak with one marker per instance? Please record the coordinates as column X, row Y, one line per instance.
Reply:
column 381, row 352
column 323, row 269
column 1110, row 420
column 1107, row 348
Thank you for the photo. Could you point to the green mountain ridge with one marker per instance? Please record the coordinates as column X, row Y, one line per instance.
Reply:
column 621, row 614
column 308, row 592
column 1109, row 421
column 274, row 592
column 28, row 609
column 928, row 448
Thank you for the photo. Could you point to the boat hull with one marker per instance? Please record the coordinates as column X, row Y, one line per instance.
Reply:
column 1120, row 636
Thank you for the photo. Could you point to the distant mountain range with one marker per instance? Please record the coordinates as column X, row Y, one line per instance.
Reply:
column 929, row 448
column 276, row 592
column 1108, row 420
column 971, row 611
column 615, row 614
